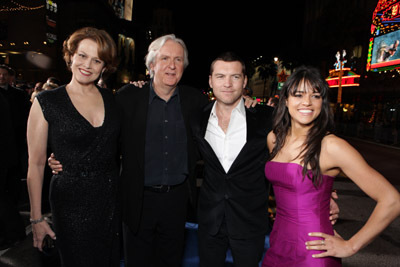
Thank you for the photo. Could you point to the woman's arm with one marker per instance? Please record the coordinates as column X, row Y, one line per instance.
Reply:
column 339, row 154
column 37, row 132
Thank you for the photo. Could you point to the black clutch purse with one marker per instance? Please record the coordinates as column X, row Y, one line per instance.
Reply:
column 49, row 246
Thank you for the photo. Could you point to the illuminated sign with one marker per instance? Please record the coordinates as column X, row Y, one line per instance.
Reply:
column 385, row 50
column 51, row 21
column 348, row 78
column 385, row 37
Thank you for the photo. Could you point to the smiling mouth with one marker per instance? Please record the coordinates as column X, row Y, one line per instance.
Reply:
column 305, row 111
column 84, row 72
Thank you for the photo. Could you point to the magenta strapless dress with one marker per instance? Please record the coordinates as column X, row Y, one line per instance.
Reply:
column 300, row 208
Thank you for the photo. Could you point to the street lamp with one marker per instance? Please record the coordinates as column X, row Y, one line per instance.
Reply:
column 275, row 78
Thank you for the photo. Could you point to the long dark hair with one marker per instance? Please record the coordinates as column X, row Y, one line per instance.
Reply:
column 321, row 126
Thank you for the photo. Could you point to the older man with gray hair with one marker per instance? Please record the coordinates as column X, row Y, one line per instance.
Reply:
column 158, row 157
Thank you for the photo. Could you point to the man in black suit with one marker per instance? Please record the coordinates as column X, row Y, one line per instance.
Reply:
column 19, row 106
column 14, row 113
column 232, row 211
column 158, row 157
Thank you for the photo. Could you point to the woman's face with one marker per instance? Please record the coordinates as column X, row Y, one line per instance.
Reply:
column 86, row 66
column 304, row 105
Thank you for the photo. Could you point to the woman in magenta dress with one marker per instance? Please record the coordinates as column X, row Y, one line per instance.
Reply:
column 305, row 158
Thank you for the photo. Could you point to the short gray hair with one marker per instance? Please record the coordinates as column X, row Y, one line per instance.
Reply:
column 155, row 46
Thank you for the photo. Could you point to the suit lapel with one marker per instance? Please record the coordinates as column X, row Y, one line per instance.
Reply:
column 251, row 128
column 204, row 119
column 206, row 146
column 251, row 124
column 184, row 102
column 139, row 122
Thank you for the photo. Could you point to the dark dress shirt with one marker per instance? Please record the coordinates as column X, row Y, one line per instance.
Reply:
column 166, row 142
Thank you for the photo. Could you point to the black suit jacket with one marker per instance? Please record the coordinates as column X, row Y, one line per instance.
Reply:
column 8, row 145
column 134, row 102
column 18, row 105
column 240, row 197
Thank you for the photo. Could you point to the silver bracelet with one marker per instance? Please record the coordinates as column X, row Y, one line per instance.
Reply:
column 41, row 219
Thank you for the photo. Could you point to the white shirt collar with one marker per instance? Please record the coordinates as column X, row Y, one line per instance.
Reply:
column 240, row 109
column 227, row 146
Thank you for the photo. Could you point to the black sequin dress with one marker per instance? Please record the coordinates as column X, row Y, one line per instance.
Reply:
column 83, row 197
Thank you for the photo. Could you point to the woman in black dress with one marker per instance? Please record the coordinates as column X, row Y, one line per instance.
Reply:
column 81, row 123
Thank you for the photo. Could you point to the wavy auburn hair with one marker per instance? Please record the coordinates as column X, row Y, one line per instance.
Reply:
column 106, row 46
column 321, row 126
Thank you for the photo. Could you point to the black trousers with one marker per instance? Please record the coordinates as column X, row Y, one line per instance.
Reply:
column 160, row 239
column 245, row 252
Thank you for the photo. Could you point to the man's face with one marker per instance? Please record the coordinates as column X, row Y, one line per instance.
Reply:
column 228, row 82
column 4, row 77
column 168, row 65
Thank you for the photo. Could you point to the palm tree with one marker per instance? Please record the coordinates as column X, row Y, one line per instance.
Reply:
column 266, row 71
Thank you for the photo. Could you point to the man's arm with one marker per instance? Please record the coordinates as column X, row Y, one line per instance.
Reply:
column 54, row 164
column 334, row 208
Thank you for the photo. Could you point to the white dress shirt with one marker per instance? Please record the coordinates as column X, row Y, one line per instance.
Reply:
column 227, row 146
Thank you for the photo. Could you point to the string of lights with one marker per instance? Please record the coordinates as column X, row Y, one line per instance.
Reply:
column 15, row 6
